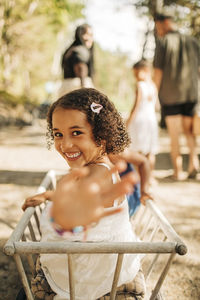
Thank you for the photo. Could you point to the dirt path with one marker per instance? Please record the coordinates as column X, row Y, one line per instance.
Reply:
column 24, row 160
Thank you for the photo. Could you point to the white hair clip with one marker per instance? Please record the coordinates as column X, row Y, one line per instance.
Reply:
column 95, row 107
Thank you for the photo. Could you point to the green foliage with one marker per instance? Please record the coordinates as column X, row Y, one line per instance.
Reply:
column 188, row 3
column 29, row 31
column 187, row 11
column 114, row 77
column 12, row 100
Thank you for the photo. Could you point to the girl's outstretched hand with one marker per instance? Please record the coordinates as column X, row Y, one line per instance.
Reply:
column 144, row 197
column 81, row 202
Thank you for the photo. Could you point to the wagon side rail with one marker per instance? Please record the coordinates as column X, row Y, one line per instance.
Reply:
column 9, row 249
column 170, row 244
column 167, row 228
column 150, row 225
column 31, row 248
column 94, row 247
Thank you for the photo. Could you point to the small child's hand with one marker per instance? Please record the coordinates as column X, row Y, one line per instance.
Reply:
column 37, row 199
column 145, row 196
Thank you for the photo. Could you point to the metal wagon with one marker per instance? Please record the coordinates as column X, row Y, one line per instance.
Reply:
column 159, row 243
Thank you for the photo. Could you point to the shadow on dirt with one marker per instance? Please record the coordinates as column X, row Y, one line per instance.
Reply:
column 163, row 161
column 21, row 177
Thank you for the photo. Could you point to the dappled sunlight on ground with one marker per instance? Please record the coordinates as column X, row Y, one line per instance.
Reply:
column 24, row 159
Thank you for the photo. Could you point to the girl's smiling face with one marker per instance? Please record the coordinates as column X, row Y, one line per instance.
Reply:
column 73, row 137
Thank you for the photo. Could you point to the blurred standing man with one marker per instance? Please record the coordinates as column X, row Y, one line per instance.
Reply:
column 176, row 71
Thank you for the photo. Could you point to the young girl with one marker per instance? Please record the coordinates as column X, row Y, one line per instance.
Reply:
column 85, row 128
column 142, row 122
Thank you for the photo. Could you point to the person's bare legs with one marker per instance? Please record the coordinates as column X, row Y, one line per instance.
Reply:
column 191, row 142
column 151, row 159
column 174, row 128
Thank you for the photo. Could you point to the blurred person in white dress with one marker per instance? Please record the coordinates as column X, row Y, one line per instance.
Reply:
column 142, row 122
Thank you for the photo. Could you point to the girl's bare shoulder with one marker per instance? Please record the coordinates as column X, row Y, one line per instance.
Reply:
column 99, row 168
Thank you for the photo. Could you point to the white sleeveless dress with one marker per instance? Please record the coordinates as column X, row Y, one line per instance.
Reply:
column 93, row 272
column 144, row 128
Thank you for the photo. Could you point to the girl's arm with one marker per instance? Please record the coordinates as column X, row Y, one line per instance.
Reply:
column 143, row 166
column 81, row 71
column 157, row 105
column 157, row 102
column 37, row 199
column 135, row 106
column 144, row 170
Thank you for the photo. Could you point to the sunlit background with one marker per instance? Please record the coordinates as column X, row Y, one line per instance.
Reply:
column 34, row 34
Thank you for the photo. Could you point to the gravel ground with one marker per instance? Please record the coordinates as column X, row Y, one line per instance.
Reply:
column 24, row 160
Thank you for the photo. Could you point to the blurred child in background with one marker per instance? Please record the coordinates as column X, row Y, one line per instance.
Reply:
column 142, row 122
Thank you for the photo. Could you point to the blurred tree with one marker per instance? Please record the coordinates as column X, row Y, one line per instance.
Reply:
column 187, row 11
column 28, row 31
column 113, row 76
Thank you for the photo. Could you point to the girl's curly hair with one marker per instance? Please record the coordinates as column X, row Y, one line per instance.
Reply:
column 107, row 125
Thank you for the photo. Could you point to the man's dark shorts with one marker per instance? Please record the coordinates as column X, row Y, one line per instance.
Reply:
column 185, row 109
